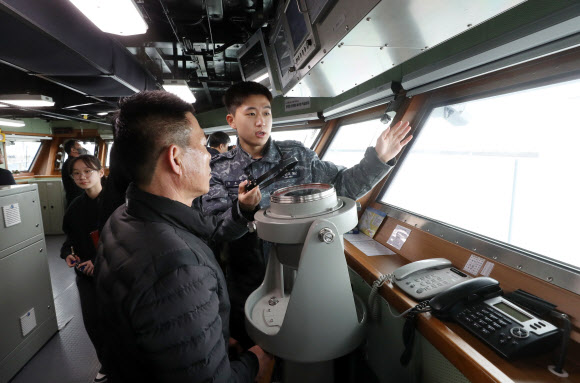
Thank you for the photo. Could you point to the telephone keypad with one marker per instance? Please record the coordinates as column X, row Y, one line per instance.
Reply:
column 506, row 336
column 427, row 283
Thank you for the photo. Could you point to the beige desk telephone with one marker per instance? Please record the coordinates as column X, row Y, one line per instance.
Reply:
column 427, row 278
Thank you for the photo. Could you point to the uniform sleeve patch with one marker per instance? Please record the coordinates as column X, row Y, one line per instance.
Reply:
column 291, row 174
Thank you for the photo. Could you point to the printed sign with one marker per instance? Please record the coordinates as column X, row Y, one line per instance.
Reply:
column 474, row 264
column 371, row 221
column 399, row 237
column 487, row 269
column 296, row 103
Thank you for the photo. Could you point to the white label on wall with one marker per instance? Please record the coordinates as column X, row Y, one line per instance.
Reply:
column 11, row 215
column 474, row 264
column 487, row 269
column 399, row 237
column 296, row 103
column 28, row 322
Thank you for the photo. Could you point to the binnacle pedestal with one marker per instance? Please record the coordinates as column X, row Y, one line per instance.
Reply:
column 305, row 311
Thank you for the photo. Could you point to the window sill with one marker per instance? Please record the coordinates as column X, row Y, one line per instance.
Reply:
column 475, row 360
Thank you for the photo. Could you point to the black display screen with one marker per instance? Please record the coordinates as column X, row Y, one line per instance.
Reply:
column 282, row 52
column 512, row 312
column 296, row 24
column 252, row 61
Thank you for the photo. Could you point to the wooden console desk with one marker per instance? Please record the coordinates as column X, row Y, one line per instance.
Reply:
column 478, row 362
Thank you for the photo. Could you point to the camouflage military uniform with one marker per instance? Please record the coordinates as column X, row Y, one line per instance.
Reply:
column 248, row 255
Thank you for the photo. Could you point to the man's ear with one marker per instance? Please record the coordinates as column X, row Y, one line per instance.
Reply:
column 173, row 156
column 230, row 120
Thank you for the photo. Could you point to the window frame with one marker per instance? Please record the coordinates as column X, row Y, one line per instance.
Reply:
column 31, row 162
column 364, row 116
column 548, row 70
column 313, row 125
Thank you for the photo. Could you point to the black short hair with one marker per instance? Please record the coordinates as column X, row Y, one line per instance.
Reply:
column 237, row 94
column 145, row 125
column 218, row 138
column 69, row 145
column 90, row 161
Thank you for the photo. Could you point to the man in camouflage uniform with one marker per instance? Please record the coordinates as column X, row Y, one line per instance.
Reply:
column 249, row 109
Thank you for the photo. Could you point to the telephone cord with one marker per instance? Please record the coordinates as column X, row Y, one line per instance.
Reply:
column 373, row 301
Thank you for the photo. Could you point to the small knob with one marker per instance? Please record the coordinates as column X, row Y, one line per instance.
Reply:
column 326, row 235
column 273, row 301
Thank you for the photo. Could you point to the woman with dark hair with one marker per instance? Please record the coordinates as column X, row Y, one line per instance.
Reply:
column 80, row 224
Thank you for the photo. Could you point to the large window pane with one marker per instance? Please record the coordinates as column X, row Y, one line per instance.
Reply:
column 501, row 167
column 351, row 141
column 20, row 154
column 109, row 148
column 88, row 145
column 306, row 136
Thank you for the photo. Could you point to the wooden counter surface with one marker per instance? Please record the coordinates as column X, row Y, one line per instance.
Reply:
column 478, row 362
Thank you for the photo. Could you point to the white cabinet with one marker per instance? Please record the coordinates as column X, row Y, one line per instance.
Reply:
column 52, row 202
column 27, row 313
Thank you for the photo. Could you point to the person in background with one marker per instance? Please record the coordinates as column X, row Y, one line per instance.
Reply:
column 73, row 149
column 162, row 297
column 218, row 143
column 250, row 114
column 6, row 177
column 79, row 249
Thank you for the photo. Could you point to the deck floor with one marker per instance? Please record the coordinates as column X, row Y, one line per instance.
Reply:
column 69, row 356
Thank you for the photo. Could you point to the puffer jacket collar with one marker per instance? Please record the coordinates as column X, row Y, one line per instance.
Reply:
column 154, row 208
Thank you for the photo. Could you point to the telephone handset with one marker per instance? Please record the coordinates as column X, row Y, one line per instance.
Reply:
column 427, row 278
column 464, row 293
column 477, row 305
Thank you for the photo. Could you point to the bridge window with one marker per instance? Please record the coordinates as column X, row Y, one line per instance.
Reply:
column 109, row 148
column 20, row 154
column 90, row 146
column 498, row 167
column 351, row 141
column 306, row 136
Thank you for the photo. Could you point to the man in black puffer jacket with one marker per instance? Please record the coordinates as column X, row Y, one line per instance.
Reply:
column 162, row 297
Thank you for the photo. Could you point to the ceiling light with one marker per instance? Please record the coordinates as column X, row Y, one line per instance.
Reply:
column 180, row 89
column 19, row 137
column 14, row 123
column 76, row 106
column 26, row 100
column 119, row 17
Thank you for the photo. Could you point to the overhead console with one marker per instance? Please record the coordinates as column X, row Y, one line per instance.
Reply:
column 322, row 48
column 254, row 62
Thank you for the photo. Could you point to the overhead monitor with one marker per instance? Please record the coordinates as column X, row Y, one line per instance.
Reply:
column 317, row 9
column 254, row 63
column 284, row 56
column 303, row 38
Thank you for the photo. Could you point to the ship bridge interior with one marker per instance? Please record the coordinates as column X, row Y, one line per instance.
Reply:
column 490, row 89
